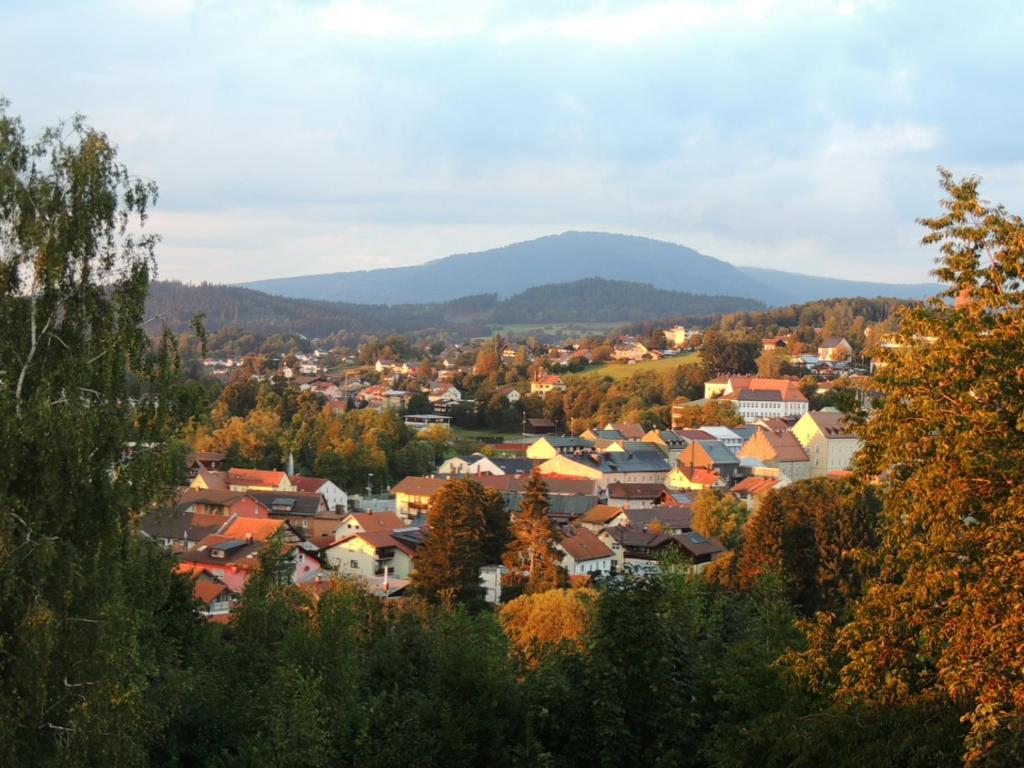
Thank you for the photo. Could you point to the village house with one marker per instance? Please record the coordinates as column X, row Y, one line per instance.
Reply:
column 367, row 554
column 825, row 437
column 549, row 446
column 688, row 478
column 757, row 398
column 243, row 480
column 779, row 449
column 546, row 383
column 630, row 350
column 711, row 455
column 634, row 495
column 612, row 467
column 677, row 336
column 335, row 498
column 511, row 394
column 835, row 349
column 585, row 554
column 443, row 397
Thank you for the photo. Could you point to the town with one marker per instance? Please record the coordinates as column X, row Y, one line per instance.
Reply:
column 621, row 494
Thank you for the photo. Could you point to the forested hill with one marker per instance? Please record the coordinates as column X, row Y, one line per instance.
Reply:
column 573, row 256
column 589, row 300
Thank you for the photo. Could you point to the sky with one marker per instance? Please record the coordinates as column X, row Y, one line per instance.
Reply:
column 322, row 136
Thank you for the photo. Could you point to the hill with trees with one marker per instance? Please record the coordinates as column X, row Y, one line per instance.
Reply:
column 572, row 256
column 590, row 300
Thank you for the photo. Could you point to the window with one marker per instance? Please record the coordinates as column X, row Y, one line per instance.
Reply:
column 353, row 564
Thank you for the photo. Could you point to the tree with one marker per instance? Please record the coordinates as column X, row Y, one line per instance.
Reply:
column 712, row 413
column 720, row 516
column 534, row 540
column 552, row 621
column 941, row 621
column 810, row 534
column 93, row 621
column 720, row 354
column 467, row 528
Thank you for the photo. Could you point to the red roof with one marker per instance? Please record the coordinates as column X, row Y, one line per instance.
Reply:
column 308, row 484
column 377, row 521
column 269, row 477
column 208, row 590
column 754, row 485
column 260, row 528
column 700, row 476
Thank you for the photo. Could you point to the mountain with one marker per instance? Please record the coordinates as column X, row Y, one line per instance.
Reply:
column 569, row 257
column 589, row 300
column 812, row 287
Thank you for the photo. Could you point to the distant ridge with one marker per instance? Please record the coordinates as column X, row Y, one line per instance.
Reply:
column 573, row 256
column 588, row 300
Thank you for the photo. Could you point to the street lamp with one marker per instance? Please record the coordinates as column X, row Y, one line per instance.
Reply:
column 369, row 484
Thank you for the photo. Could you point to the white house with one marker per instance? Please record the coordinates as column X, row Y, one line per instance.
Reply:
column 584, row 554
column 335, row 498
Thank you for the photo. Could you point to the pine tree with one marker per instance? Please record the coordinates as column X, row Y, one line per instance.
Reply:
column 467, row 528
column 534, row 537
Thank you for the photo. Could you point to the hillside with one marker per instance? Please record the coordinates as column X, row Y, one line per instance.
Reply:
column 590, row 300
column 572, row 256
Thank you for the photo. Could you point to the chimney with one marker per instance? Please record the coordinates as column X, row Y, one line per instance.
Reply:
column 291, row 464
column 248, row 538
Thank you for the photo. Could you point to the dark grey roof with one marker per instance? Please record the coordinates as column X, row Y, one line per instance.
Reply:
column 515, row 466
column 285, row 503
column 761, row 395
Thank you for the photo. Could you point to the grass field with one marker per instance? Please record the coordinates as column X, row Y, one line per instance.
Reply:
column 623, row 371
column 554, row 329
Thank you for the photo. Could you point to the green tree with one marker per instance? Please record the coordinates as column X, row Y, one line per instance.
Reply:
column 467, row 528
column 92, row 620
column 534, row 539
column 942, row 619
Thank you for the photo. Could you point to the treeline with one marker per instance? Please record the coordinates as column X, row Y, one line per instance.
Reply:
column 590, row 300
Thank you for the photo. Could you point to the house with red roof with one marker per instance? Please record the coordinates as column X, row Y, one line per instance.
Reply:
column 335, row 497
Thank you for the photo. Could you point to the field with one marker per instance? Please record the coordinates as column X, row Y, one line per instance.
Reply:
column 623, row 371
column 554, row 330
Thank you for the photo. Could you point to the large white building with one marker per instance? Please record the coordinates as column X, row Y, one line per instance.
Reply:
column 758, row 398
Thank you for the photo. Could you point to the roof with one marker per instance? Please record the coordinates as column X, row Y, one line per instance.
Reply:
column 308, row 484
column 376, row 521
column 697, row 545
column 546, row 423
column 237, row 552
column 833, row 341
column 558, row 441
column 207, row 589
column 377, row 540
column 179, row 524
column 721, row 433
column 775, row 445
column 602, row 514
column 206, row 456
column 668, row 516
column 220, row 497
column 514, row 466
column 260, row 528
column 718, row 452
column 694, row 434
column 584, row 545
column 699, row 475
column 635, row 490
column 271, row 477
column 831, row 423
column 562, row 507
column 754, row 486
column 289, row 502
column 628, row 429
column 419, row 486
column 614, row 462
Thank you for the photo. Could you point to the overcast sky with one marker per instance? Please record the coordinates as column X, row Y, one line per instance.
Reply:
column 300, row 137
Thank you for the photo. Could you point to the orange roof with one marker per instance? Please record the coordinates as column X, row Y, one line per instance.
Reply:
column 308, row 484
column 260, row 528
column 208, row 590
column 270, row 477
column 700, row 475
column 377, row 521
column 754, row 485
